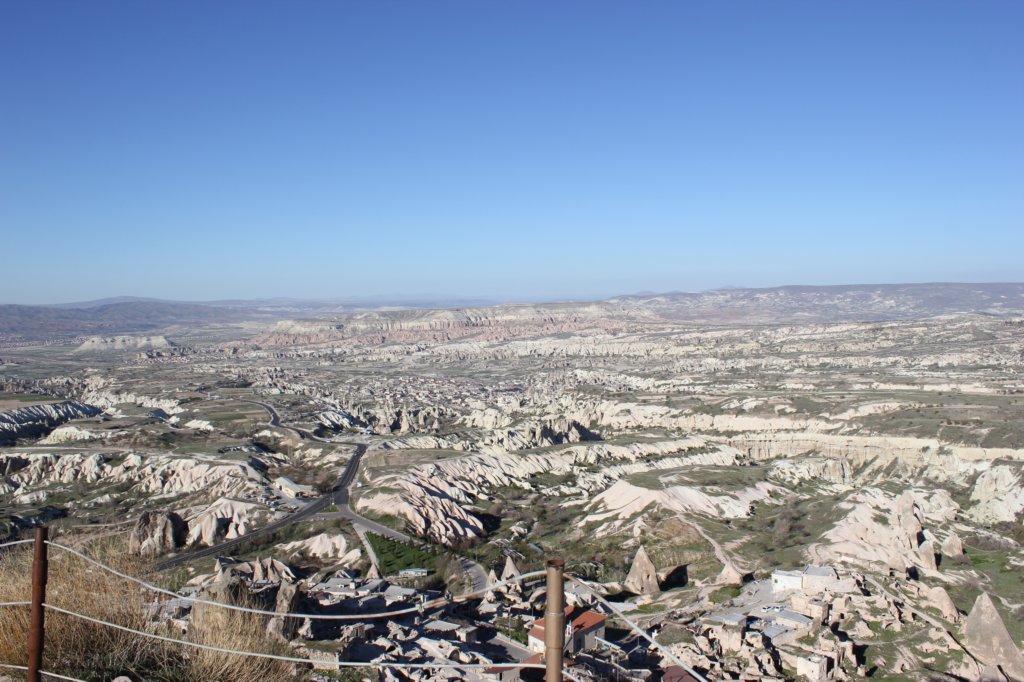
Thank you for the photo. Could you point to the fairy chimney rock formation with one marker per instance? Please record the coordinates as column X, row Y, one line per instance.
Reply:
column 941, row 600
column 157, row 533
column 643, row 576
column 511, row 571
column 926, row 556
column 988, row 640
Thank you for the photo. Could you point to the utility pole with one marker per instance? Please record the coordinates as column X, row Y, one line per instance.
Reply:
column 35, row 629
column 554, row 620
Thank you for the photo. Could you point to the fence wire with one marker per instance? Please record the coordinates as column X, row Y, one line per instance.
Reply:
column 361, row 616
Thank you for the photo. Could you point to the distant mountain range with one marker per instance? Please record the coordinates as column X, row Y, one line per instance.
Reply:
column 764, row 306
column 33, row 322
column 283, row 303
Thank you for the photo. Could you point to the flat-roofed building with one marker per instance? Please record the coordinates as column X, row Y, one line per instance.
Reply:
column 783, row 581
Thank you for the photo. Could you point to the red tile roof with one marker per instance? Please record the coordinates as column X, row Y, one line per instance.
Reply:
column 581, row 619
column 587, row 620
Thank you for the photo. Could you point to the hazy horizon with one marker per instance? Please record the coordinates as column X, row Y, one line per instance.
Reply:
column 443, row 300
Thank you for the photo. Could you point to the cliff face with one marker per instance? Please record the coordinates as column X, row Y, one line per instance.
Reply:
column 37, row 420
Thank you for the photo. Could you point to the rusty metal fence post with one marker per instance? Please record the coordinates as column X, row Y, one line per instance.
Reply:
column 36, row 633
column 554, row 620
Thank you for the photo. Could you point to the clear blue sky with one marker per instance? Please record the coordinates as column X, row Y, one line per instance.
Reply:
column 203, row 150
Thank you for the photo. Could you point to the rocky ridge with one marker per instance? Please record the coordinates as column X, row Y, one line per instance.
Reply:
column 33, row 421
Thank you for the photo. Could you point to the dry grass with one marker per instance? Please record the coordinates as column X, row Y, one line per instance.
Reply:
column 240, row 631
column 81, row 649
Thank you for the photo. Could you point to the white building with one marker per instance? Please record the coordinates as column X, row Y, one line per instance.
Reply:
column 291, row 489
column 582, row 629
column 783, row 581
column 812, row 580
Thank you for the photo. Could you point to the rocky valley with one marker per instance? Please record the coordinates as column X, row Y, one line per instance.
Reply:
column 774, row 484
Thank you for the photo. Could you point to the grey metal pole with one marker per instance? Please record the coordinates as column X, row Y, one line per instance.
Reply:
column 554, row 620
column 36, row 634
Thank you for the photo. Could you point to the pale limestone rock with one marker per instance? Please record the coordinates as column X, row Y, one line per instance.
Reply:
column 98, row 392
column 492, row 578
column 508, row 573
column 992, row 673
column 926, row 556
column 225, row 519
column 940, row 599
column 999, row 493
column 324, row 546
column 988, row 640
column 162, row 475
column 70, row 434
column 118, row 343
column 882, row 530
column 624, row 500
column 730, row 575
column 511, row 570
column 953, row 546
column 36, row 420
column 643, row 576
column 257, row 571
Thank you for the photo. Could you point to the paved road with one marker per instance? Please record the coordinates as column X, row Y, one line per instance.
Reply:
column 338, row 497
column 514, row 651
column 346, row 512
column 275, row 418
column 477, row 577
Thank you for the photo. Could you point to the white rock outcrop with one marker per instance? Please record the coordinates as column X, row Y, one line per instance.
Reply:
column 95, row 344
column 225, row 519
column 999, row 495
column 71, row 434
column 324, row 546
column 880, row 529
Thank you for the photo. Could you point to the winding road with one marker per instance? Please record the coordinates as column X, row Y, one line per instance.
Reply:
column 338, row 497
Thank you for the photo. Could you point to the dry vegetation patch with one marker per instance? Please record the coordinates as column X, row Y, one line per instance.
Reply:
column 82, row 649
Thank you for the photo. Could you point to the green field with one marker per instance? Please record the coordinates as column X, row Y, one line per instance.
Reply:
column 396, row 556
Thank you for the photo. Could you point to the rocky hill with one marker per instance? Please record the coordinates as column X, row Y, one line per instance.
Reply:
column 845, row 303
column 780, row 305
